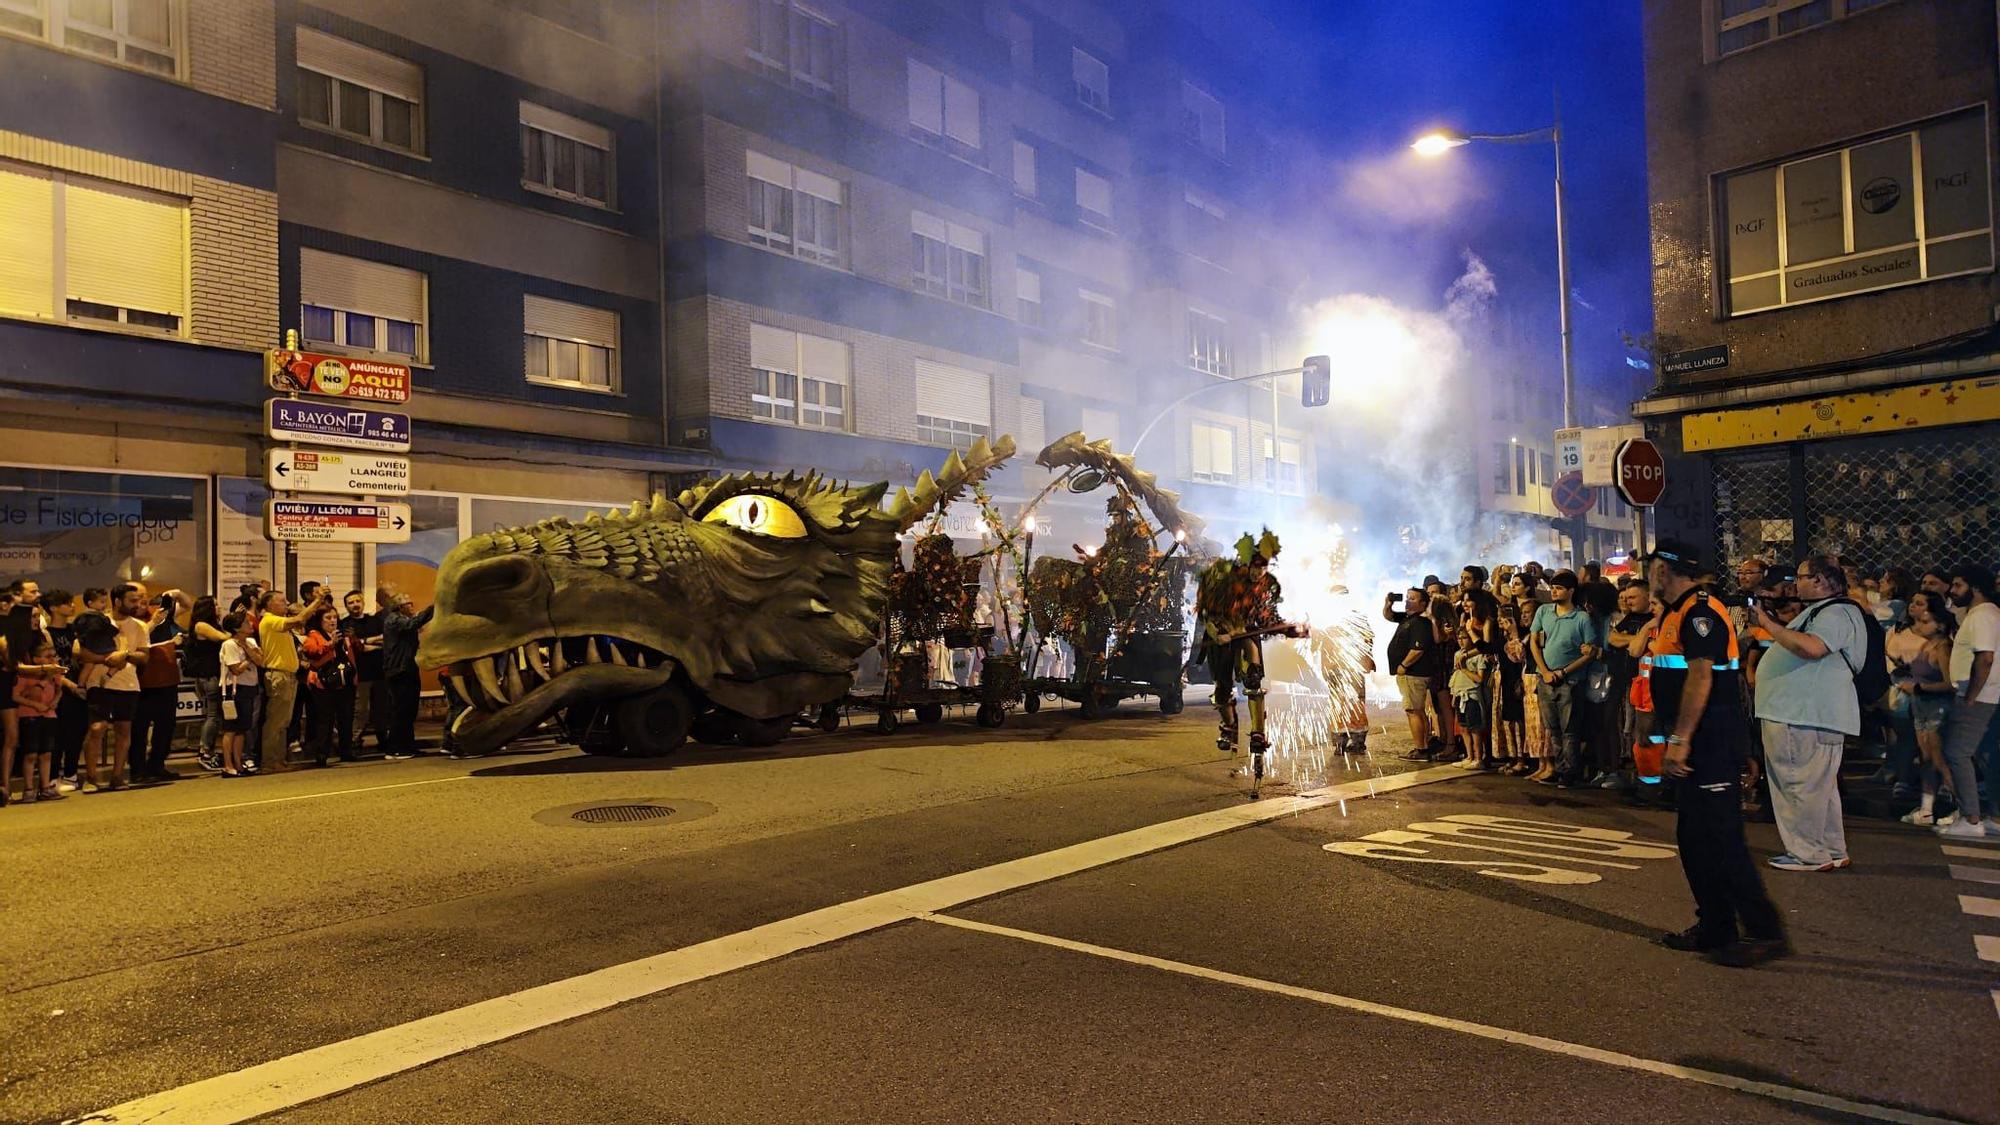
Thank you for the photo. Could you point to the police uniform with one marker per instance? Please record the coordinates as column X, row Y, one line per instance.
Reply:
column 1728, row 891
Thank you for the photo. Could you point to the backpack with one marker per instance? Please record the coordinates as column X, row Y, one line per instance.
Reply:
column 1871, row 680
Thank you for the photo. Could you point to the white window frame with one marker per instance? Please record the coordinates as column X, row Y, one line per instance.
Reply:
column 1203, row 437
column 789, row 405
column 1208, row 342
column 949, row 128
column 1770, row 16
column 943, row 426
column 1204, row 233
column 1025, row 161
column 1090, row 76
column 788, row 69
column 1088, row 181
column 1031, row 309
column 55, row 27
column 606, row 340
column 1100, row 319
column 377, row 91
column 551, row 129
column 1275, row 463
column 797, row 185
column 63, row 308
column 963, row 253
column 382, row 316
column 1204, row 123
column 1503, row 468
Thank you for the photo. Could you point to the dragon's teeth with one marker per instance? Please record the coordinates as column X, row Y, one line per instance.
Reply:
column 559, row 661
column 489, row 681
column 538, row 659
column 591, row 655
column 618, row 654
column 516, row 687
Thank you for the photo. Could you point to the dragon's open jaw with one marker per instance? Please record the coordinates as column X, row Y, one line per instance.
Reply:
column 507, row 692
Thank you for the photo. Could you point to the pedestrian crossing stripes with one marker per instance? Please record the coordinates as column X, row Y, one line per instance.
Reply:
column 1976, row 874
column 1982, row 907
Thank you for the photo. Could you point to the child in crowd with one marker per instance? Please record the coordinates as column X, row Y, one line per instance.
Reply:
column 240, row 682
column 35, row 699
column 95, row 633
column 1468, row 695
column 1926, row 680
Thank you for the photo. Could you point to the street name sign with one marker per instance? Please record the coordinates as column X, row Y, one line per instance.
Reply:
column 332, row 376
column 1642, row 473
column 314, row 470
column 336, row 424
column 1569, row 451
column 1600, row 446
column 1700, row 359
column 313, row 521
column 1572, row 497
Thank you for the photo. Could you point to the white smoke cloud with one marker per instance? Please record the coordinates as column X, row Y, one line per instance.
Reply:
column 1405, row 189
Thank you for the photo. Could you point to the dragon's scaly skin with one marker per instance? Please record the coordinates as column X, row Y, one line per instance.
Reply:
column 760, row 616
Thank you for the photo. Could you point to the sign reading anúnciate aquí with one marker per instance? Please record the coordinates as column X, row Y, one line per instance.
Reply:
column 310, row 373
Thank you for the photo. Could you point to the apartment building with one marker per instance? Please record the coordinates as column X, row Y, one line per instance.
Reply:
column 471, row 189
column 1824, row 300
column 895, row 228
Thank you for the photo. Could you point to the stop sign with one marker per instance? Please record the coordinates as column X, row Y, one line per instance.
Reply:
column 1642, row 472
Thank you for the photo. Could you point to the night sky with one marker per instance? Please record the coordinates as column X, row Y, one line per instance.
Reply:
column 1387, row 69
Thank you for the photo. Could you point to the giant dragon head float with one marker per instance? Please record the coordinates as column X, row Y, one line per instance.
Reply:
column 749, row 596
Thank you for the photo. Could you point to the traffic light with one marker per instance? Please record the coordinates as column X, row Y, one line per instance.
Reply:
column 1316, row 381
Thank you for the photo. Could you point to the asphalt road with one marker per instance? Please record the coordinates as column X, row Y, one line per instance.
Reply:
column 1057, row 921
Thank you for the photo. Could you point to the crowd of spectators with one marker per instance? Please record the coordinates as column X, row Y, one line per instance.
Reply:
column 90, row 683
column 1542, row 675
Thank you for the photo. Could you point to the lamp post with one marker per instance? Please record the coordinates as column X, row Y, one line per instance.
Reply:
column 1439, row 142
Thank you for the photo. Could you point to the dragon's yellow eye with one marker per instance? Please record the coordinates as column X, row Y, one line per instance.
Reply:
column 759, row 515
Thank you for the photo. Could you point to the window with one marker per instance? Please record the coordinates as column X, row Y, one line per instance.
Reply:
column 790, row 44
column 1020, row 42
column 1100, row 319
column 1212, row 453
column 564, row 156
column 1093, row 198
column 1745, row 23
column 1092, row 80
column 1204, row 225
column 145, row 34
column 1548, row 468
column 1100, row 425
column 943, row 110
column 1208, row 343
column 1284, row 463
column 1033, row 430
column 1848, row 221
column 359, row 92
column 1024, row 168
column 799, row 379
column 796, row 211
column 1502, row 480
column 351, row 304
column 954, row 406
column 948, row 260
column 91, row 252
column 1521, row 462
column 570, row 345
column 1201, row 120
column 1028, row 290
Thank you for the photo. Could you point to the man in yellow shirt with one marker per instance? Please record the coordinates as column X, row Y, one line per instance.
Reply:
column 276, row 637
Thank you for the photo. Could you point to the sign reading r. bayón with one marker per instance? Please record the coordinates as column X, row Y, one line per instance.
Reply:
column 310, row 373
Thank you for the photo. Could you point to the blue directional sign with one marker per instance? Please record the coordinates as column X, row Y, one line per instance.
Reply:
column 336, row 424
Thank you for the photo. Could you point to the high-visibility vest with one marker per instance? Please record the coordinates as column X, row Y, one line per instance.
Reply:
column 1667, row 650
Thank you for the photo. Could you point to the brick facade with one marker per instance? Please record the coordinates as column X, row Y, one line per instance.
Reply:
column 232, row 50
column 233, row 265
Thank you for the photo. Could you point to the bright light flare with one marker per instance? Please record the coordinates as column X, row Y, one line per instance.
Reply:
column 1436, row 143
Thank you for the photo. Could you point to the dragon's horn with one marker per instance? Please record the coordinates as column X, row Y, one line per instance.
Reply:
column 959, row 472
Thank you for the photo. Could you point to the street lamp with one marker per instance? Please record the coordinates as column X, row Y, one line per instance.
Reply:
column 1440, row 141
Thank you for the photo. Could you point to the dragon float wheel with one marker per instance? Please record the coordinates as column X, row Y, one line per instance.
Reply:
column 1171, row 701
column 991, row 715
column 888, row 721
column 1031, row 702
column 1092, row 705
column 654, row 724
column 928, row 713
column 829, row 717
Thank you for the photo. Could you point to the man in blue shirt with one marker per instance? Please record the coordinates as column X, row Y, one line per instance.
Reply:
column 1564, row 640
column 1807, row 705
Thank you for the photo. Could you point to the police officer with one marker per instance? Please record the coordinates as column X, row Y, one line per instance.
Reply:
column 1698, row 714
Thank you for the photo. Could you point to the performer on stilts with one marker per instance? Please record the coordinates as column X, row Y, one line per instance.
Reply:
column 1236, row 607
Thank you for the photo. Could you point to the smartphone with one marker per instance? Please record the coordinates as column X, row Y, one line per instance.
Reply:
column 1395, row 597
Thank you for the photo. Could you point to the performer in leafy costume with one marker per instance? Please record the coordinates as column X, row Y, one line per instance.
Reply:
column 1236, row 606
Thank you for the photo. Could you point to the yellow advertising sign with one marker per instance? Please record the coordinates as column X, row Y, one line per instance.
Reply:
column 1848, row 415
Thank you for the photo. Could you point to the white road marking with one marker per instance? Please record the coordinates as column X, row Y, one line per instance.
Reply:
column 1466, row 1027
column 311, row 796
column 1988, row 946
column 1983, row 907
column 1975, row 874
column 1972, row 853
column 324, row 1071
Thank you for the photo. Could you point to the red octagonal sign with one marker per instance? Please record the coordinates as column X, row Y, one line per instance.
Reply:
column 1642, row 472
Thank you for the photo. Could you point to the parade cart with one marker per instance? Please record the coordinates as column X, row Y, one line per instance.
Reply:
column 1117, row 609
column 935, row 603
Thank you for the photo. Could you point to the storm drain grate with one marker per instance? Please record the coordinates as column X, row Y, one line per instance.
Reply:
column 621, row 814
